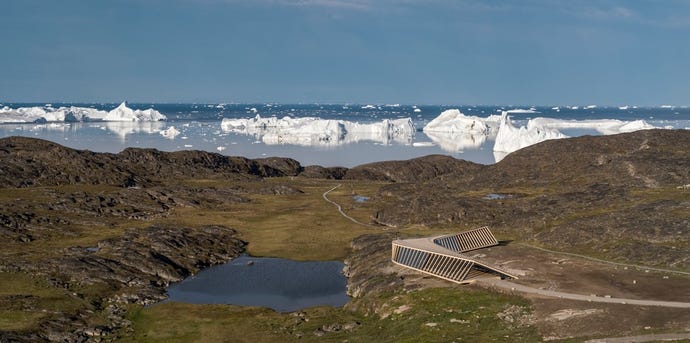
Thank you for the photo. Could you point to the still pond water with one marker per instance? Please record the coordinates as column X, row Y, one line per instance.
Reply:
column 280, row 284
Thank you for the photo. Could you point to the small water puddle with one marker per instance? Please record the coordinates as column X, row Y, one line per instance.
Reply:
column 280, row 284
column 360, row 198
column 494, row 196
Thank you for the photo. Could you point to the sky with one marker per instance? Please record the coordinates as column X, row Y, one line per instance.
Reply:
column 528, row 52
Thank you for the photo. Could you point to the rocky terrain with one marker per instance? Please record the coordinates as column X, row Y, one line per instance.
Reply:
column 132, row 269
column 621, row 196
column 87, row 232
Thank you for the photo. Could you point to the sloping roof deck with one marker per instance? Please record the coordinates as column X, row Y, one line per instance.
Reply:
column 443, row 256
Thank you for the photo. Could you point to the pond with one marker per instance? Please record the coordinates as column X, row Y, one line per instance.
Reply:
column 360, row 198
column 280, row 284
column 494, row 196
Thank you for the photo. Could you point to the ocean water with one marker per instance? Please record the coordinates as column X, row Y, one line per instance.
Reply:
column 200, row 129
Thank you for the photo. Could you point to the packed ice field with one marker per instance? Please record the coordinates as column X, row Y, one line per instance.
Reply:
column 344, row 135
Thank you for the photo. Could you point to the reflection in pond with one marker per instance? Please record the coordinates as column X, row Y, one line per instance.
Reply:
column 280, row 284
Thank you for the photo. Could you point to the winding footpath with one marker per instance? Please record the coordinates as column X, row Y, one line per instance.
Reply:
column 340, row 208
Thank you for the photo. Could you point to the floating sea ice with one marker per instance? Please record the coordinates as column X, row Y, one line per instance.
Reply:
column 423, row 144
column 604, row 126
column 623, row 108
column 417, row 110
column 590, row 107
column 455, row 121
column 124, row 113
column 170, row 132
column 48, row 114
column 368, row 107
column 188, row 145
column 220, row 148
column 521, row 110
column 510, row 138
column 313, row 131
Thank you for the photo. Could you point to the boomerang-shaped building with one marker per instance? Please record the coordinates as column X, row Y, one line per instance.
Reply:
column 443, row 256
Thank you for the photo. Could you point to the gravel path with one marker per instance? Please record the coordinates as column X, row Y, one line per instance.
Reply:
column 340, row 209
column 504, row 284
column 643, row 338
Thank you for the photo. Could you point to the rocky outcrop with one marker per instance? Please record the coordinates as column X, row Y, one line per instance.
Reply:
column 319, row 172
column 414, row 170
column 618, row 195
column 134, row 268
column 33, row 162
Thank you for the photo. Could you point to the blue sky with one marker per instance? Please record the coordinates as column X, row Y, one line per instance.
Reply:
column 539, row 52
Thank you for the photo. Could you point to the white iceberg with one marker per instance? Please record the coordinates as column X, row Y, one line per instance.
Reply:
column 170, row 132
column 124, row 113
column 75, row 114
column 511, row 138
column 313, row 131
column 522, row 110
column 48, row 114
column 603, row 126
column 454, row 131
column 623, row 108
column 454, row 121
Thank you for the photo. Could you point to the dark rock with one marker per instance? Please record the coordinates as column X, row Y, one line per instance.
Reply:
column 414, row 170
column 34, row 162
column 319, row 172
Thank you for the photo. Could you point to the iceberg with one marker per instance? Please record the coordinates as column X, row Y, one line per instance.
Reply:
column 603, row 126
column 75, row 114
column 454, row 121
column 522, row 110
column 510, row 138
column 48, row 114
column 124, row 113
column 454, row 131
column 170, row 132
column 313, row 131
